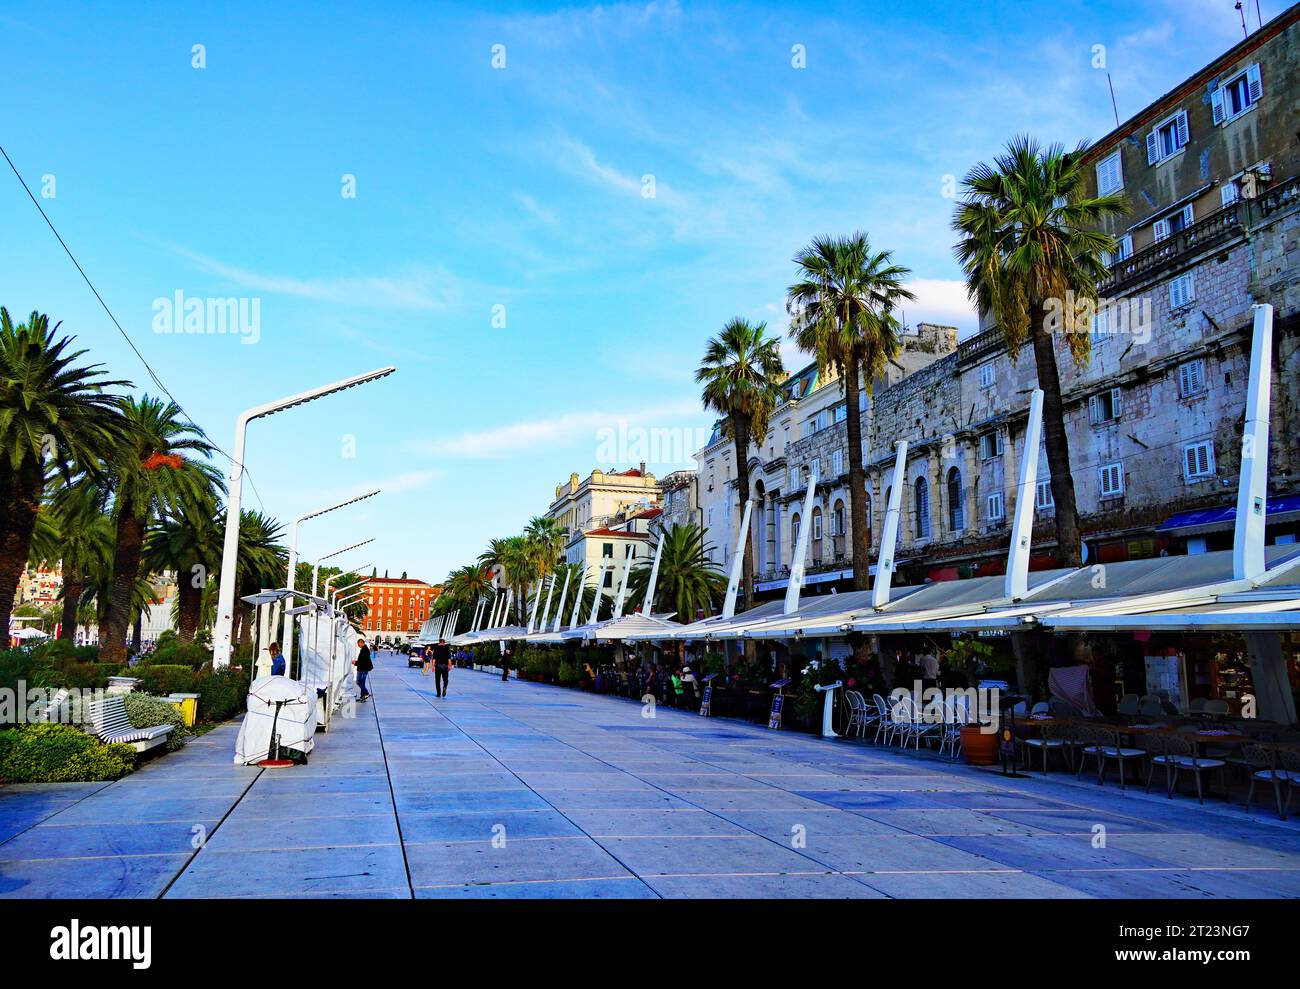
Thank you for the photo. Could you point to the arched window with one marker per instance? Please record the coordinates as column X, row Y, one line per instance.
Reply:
column 838, row 528
column 866, row 503
column 817, row 535
column 922, row 506
column 794, row 538
column 956, row 503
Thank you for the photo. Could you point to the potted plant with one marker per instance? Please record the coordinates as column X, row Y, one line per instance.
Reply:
column 969, row 655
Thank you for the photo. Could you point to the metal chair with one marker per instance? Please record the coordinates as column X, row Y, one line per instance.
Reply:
column 1042, row 707
column 1178, row 752
column 1128, row 706
column 1052, row 738
column 1104, row 743
column 1150, row 707
column 884, row 720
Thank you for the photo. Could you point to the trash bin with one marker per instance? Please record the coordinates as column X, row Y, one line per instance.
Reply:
column 188, row 705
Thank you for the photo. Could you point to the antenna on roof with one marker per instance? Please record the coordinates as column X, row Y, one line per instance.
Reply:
column 1242, row 11
column 1113, row 105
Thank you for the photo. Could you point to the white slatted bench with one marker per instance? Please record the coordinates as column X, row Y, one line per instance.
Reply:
column 109, row 722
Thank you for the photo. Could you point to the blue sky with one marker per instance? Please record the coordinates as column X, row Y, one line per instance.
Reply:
column 483, row 191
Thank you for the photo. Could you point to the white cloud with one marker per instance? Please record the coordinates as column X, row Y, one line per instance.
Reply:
column 944, row 301
column 532, row 435
column 416, row 287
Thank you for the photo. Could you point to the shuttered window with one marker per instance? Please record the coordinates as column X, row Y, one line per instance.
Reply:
column 1191, row 377
column 1110, row 174
column 1112, row 480
column 1198, row 460
column 1105, row 407
column 1236, row 96
column 1182, row 291
column 1168, row 138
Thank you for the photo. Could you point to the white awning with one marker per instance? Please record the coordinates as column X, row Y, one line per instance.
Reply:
column 633, row 627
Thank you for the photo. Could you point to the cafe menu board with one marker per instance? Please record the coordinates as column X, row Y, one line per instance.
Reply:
column 774, row 719
column 707, row 700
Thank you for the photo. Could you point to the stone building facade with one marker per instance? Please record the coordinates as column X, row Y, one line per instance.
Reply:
column 1154, row 417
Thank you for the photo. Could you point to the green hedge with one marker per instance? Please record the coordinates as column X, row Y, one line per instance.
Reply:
column 60, row 754
column 163, row 679
column 222, row 693
column 146, row 712
column 175, row 652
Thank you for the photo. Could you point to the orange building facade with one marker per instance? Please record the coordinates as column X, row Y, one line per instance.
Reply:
column 396, row 607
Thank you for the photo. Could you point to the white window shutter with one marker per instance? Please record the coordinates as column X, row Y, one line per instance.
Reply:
column 1189, row 458
column 1254, row 85
column 1094, row 409
column 1116, row 402
column 1153, row 148
column 1229, row 193
column 1182, row 129
column 1161, row 229
column 1216, row 104
column 1188, row 216
column 1126, row 246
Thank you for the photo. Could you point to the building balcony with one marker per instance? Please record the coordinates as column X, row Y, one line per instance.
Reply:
column 1220, row 226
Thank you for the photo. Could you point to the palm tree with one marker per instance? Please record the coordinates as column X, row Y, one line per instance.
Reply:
column 463, row 588
column 518, row 568
column 187, row 542
column 842, row 312
column 742, row 375
column 689, row 583
column 262, row 561
column 85, row 545
column 1030, row 237
column 546, row 538
column 150, row 474
column 54, row 414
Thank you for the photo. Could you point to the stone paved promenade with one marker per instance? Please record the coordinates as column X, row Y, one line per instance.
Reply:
column 593, row 800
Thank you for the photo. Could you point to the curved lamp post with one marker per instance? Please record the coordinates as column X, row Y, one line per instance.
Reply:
column 293, row 554
column 224, row 627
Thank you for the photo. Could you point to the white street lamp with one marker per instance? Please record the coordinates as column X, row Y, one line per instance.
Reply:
column 338, row 591
column 224, row 627
column 315, row 570
column 293, row 554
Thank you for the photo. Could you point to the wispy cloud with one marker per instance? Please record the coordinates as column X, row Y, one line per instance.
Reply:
column 535, row 435
column 414, row 287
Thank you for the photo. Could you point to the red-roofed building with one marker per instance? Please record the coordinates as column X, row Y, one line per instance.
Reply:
column 396, row 607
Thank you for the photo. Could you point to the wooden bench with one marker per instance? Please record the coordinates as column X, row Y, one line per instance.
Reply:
column 109, row 723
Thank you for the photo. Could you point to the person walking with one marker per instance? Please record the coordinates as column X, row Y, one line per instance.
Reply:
column 364, row 665
column 441, row 666
column 428, row 660
column 506, row 657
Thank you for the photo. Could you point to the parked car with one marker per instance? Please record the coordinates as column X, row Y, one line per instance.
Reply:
column 414, row 657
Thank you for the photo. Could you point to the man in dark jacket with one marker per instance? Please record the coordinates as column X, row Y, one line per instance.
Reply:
column 441, row 666
column 364, row 666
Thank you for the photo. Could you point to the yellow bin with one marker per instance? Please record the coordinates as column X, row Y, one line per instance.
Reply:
column 188, row 705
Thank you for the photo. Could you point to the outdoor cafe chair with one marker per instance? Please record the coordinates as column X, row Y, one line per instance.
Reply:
column 1042, row 707
column 919, row 727
column 1150, row 707
column 1128, row 706
column 1051, row 738
column 953, row 720
column 886, row 727
column 1217, row 707
column 1276, row 765
column 860, row 716
column 1178, row 752
column 1102, row 744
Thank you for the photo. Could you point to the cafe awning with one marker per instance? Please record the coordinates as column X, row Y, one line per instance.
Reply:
column 633, row 627
column 1224, row 517
column 908, row 612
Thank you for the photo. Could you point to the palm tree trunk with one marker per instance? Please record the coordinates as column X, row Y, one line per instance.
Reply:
column 740, row 435
column 859, row 524
column 1057, row 443
column 189, row 605
column 126, row 568
column 18, row 510
column 137, row 629
column 72, row 588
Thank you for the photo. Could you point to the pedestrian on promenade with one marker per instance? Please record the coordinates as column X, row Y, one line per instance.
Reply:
column 506, row 657
column 364, row 665
column 277, row 660
column 428, row 660
column 441, row 666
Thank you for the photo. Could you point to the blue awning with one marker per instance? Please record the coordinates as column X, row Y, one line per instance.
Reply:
column 1225, row 516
